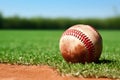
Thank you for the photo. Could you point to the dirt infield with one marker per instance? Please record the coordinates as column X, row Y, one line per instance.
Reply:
column 22, row 72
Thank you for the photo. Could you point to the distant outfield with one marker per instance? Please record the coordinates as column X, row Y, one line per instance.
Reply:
column 17, row 22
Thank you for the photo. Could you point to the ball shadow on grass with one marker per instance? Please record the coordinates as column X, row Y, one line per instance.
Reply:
column 105, row 61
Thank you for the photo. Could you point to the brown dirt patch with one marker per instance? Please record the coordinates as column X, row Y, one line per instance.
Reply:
column 22, row 72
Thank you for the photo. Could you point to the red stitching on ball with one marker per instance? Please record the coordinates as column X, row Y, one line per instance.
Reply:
column 81, row 36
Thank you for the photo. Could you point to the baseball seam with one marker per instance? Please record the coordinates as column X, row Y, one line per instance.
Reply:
column 83, row 38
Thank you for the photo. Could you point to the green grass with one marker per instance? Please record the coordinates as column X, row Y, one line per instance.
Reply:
column 42, row 48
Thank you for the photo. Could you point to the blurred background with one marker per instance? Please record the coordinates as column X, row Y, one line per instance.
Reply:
column 59, row 14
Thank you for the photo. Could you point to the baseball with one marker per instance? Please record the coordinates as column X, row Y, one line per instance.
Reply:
column 81, row 43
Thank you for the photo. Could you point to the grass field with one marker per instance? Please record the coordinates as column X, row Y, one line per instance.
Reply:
column 42, row 48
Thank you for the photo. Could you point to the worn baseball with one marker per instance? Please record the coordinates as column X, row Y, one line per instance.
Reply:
column 81, row 43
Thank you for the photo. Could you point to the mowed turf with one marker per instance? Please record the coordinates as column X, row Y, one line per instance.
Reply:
column 42, row 48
